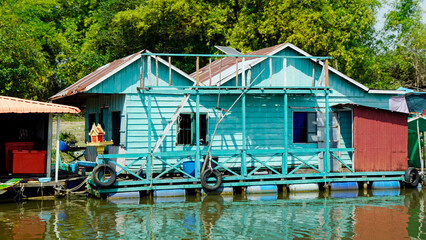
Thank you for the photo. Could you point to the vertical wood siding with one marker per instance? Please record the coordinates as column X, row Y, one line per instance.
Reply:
column 114, row 103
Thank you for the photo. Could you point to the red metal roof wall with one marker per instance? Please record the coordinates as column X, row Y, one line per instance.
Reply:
column 380, row 140
column 18, row 105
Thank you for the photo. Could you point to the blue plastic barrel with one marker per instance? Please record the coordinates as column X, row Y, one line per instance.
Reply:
column 263, row 197
column 262, row 189
column 344, row 194
column 123, row 195
column 169, row 192
column 385, row 192
column 189, row 167
column 220, row 191
column 304, row 187
column 343, row 186
column 385, row 185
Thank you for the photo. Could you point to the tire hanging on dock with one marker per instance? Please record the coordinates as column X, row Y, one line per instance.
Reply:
column 210, row 172
column 104, row 176
column 412, row 177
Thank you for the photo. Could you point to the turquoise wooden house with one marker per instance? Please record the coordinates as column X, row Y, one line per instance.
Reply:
column 275, row 108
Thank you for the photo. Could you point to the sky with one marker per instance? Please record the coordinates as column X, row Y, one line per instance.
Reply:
column 386, row 7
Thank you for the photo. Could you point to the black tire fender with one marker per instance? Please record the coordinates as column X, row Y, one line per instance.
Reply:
column 100, row 171
column 211, row 173
column 412, row 177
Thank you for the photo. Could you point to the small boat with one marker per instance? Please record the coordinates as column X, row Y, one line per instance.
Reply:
column 4, row 187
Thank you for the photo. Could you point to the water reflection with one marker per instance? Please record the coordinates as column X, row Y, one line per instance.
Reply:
column 352, row 215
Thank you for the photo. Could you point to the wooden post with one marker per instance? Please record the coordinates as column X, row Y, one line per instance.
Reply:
column 220, row 72
column 198, row 70
column 326, row 72
column 150, row 159
column 284, row 163
column 313, row 73
column 143, row 72
column 270, row 72
column 236, row 71
column 326, row 157
column 156, row 68
column 285, row 71
column 210, row 71
column 170, row 71
column 148, row 64
column 244, row 132
column 243, row 74
column 197, row 136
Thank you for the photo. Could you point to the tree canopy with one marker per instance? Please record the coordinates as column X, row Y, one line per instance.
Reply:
column 47, row 45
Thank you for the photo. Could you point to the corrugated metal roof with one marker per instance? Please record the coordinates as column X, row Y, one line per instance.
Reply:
column 18, row 105
column 106, row 71
column 227, row 67
column 97, row 76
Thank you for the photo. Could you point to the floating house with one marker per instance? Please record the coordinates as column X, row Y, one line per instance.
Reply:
column 274, row 116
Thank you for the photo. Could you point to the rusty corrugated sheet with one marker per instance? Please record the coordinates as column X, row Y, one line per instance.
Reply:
column 98, row 74
column 18, row 105
column 224, row 63
column 380, row 140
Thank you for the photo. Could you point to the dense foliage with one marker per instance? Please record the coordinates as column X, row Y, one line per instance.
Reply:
column 47, row 45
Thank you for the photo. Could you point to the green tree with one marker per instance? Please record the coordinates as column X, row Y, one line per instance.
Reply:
column 405, row 44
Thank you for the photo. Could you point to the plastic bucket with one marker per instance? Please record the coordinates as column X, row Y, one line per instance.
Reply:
column 189, row 167
column 63, row 146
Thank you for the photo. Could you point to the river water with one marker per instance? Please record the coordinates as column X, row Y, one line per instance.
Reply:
column 395, row 214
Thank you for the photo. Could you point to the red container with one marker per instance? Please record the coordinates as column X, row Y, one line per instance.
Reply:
column 28, row 162
column 10, row 146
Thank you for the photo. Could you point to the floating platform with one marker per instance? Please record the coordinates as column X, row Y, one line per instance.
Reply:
column 263, row 183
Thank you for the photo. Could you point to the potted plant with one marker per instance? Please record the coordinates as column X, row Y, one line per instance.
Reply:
column 66, row 139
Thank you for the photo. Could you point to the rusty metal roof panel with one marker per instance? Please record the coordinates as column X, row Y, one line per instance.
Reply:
column 97, row 76
column 226, row 66
column 18, row 105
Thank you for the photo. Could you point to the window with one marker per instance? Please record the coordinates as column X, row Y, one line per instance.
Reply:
column 304, row 127
column 186, row 132
column 116, row 124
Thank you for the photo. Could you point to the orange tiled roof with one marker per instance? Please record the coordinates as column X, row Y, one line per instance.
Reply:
column 18, row 105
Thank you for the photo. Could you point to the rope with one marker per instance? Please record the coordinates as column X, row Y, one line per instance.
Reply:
column 224, row 115
column 72, row 190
